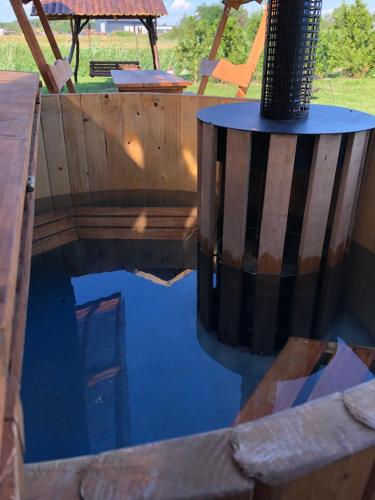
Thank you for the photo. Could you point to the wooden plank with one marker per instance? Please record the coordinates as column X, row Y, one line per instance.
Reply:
column 297, row 359
column 231, row 296
column 54, row 144
column 207, row 195
column 52, row 41
column 55, row 241
column 54, row 227
column 365, row 218
column 294, row 444
column 365, row 354
column 173, row 152
column 203, row 468
column 346, row 197
column 134, row 116
column 318, row 201
column 95, row 145
column 279, row 176
column 18, row 154
column 138, row 223
column 34, row 47
column 135, row 211
column 75, row 143
column 113, row 129
column 62, row 72
column 342, row 480
column 282, row 150
column 255, row 53
column 142, row 79
column 215, row 45
column 42, row 185
column 154, row 141
column 106, row 233
column 237, row 174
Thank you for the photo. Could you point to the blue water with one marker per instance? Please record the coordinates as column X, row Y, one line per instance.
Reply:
column 113, row 359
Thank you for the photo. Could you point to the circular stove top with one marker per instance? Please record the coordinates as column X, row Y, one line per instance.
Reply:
column 322, row 119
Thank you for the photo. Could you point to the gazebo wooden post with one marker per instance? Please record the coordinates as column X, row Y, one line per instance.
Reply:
column 52, row 41
column 76, row 26
column 150, row 25
column 34, row 47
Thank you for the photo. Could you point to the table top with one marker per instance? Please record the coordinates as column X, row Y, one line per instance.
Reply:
column 321, row 119
column 147, row 78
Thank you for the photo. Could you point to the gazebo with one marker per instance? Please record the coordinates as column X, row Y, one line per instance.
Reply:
column 79, row 13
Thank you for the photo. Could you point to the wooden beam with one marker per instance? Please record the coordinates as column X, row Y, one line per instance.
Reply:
column 254, row 55
column 216, row 44
column 34, row 46
column 150, row 25
column 51, row 38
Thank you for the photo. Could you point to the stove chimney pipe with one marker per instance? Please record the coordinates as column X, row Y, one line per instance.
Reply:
column 289, row 58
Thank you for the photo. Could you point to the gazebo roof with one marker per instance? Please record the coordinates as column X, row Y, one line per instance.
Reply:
column 102, row 9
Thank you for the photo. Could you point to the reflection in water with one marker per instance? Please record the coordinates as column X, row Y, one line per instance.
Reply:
column 112, row 358
column 101, row 332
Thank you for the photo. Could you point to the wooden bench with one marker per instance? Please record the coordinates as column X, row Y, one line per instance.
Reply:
column 104, row 68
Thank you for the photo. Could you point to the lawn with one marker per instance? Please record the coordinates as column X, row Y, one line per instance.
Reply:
column 14, row 54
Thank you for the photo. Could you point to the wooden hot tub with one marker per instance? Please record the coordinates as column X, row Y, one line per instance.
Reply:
column 85, row 146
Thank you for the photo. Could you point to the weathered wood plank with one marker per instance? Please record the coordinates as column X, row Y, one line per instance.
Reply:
column 202, row 468
column 296, row 454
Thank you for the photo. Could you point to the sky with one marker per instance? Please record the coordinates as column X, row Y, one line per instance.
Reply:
column 178, row 8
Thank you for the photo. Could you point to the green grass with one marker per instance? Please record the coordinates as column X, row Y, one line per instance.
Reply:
column 352, row 93
column 14, row 54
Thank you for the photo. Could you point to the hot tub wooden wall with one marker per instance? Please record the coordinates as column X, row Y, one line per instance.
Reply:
column 104, row 142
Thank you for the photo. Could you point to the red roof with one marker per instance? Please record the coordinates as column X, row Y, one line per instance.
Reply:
column 103, row 8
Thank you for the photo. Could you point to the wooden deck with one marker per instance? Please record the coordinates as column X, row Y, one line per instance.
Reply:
column 19, row 119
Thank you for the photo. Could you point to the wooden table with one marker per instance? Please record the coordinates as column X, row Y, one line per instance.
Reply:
column 148, row 81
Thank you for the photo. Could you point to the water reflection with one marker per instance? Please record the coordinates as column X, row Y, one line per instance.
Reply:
column 112, row 358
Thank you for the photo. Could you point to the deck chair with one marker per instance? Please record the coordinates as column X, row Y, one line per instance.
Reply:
column 55, row 75
column 238, row 74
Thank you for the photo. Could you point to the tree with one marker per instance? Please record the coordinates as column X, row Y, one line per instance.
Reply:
column 196, row 33
column 352, row 39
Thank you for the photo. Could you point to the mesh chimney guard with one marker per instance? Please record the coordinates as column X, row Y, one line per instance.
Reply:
column 289, row 58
